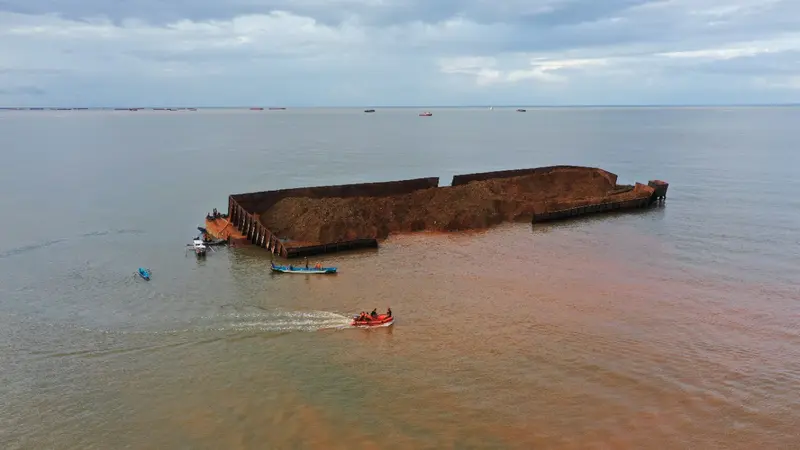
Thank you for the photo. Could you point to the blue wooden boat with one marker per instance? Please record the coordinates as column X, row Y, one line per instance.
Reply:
column 144, row 273
column 301, row 269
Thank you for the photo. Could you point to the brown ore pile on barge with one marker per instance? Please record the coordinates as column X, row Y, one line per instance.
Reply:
column 474, row 205
column 307, row 221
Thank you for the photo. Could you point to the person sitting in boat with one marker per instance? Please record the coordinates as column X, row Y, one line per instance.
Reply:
column 318, row 266
column 374, row 313
column 362, row 317
column 291, row 267
column 388, row 312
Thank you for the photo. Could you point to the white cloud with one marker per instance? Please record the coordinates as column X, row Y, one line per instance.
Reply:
column 548, row 70
column 779, row 83
column 277, row 32
column 786, row 43
column 619, row 61
column 485, row 70
column 481, row 68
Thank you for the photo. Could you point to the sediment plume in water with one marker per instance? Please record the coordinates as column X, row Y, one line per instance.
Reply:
column 476, row 205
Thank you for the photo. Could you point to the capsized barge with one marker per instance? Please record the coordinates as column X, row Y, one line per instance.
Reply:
column 474, row 200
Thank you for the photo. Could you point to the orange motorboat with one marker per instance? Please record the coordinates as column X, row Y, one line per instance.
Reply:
column 383, row 320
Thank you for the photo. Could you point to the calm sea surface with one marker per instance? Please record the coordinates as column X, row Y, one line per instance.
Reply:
column 674, row 328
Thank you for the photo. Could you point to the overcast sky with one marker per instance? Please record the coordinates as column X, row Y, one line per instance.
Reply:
column 398, row 52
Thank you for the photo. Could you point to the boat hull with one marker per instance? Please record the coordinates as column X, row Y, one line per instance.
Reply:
column 303, row 270
column 381, row 321
column 199, row 248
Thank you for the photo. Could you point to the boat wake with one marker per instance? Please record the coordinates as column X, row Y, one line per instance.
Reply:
column 289, row 321
column 198, row 331
column 261, row 321
column 264, row 322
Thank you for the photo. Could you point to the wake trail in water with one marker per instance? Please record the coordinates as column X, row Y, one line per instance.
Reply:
column 289, row 321
column 261, row 321
column 150, row 337
column 48, row 243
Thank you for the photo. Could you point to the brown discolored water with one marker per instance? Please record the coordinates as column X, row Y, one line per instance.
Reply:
column 672, row 328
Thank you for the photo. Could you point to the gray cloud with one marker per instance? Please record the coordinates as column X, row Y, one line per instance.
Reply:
column 576, row 51
column 783, row 64
column 542, row 13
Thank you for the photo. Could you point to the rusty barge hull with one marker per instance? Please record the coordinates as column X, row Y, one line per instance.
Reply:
column 658, row 195
column 244, row 225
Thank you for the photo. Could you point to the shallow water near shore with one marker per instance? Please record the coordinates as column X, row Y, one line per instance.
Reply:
column 670, row 328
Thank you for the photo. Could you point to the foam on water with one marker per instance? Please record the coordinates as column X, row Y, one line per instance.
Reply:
column 267, row 321
column 261, row 321
column 290, row 321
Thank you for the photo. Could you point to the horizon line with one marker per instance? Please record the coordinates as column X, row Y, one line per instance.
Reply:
column 618, row 105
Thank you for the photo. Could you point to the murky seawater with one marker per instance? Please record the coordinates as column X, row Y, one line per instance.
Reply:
column 672, row 328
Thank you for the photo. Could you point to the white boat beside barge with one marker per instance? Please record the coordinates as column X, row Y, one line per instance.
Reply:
column 199, row 247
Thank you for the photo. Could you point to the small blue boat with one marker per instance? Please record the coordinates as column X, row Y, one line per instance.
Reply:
column 310, row 270
column 144, row 273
